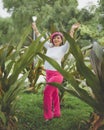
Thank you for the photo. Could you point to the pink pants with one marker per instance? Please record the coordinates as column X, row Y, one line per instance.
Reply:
column 51, row 95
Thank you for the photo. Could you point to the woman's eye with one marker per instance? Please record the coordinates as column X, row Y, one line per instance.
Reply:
column 58, row 37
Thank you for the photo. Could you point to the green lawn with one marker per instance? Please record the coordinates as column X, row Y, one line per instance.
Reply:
column 29, row 111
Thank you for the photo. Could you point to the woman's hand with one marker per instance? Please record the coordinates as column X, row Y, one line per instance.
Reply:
column 73, row 28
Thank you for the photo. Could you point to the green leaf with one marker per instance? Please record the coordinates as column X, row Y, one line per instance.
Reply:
column 3, row 118
column 97, row 61
column 14, row 90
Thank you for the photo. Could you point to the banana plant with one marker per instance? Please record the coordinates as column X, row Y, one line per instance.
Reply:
column 92, row 91
column 13, row 62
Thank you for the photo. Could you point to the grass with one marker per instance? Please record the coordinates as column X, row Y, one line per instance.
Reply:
column 29, row 111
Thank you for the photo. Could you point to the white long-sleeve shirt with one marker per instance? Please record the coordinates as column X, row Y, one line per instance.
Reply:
column 55, row 52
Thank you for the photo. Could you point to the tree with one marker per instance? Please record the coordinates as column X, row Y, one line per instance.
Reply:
column 60, row 14
column 48, row 12
column 6, row 30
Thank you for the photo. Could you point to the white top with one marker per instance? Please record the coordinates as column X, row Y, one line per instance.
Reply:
column 55, row 52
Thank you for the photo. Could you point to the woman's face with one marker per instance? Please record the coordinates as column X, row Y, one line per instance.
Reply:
column 57, row 40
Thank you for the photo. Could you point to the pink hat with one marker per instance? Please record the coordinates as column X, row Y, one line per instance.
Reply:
column 55, row 34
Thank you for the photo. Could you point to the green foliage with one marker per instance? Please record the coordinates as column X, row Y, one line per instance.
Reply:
column 85, row 16
column 62, row 14
column 6, row 30
column 14, row 61
column 97, row 60
column 101, row 2
column 48, row 12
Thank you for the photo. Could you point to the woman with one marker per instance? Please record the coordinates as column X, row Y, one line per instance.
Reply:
column 57, row 51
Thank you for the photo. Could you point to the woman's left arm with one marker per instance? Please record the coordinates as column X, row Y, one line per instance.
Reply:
column 66, row 46
column 73, row 29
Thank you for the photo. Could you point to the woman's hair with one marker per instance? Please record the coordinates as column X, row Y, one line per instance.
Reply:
column 56, row 34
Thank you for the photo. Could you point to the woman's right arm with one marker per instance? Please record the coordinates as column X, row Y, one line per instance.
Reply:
column 35, row 29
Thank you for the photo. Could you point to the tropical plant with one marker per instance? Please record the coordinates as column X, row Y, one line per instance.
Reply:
column 14, row 61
